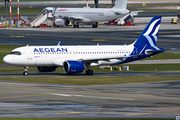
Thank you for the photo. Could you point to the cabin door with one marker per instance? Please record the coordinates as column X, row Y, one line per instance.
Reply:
column 29, row 53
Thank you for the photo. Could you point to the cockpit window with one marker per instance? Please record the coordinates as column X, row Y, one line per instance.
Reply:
column 15, row 53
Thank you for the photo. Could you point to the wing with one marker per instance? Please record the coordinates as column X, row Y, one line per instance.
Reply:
column 75, row 18
column 105, row 58
column 135, row 12
column 117, row 12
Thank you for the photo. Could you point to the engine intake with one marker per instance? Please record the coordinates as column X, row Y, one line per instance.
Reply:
column 61, row 22
column 71, row 67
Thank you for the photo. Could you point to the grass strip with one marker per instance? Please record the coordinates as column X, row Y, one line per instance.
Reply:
column 37, row 10
column 23, row 10
column 102, row 80
column 133, row 67
column 153, row 10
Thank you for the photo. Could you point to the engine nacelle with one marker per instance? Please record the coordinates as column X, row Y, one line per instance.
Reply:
column 46, row 68
column 71, row 67
column 61, row 22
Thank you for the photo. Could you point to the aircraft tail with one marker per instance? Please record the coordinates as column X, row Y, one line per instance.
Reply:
column 121, row 4
column 148, row 37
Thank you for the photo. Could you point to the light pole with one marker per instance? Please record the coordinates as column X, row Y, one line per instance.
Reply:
column 17, row 13
column 10, row 14
column 6, row 5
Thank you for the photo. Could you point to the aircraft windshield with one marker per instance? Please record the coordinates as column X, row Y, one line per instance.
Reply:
column 15, row 53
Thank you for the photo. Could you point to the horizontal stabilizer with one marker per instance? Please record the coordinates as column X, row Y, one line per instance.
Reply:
column 154, row 51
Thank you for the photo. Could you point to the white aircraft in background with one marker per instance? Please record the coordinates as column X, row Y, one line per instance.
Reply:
column 63, row 16
column 74, row 59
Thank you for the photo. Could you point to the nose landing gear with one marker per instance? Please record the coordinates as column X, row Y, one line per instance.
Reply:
column 25, row 71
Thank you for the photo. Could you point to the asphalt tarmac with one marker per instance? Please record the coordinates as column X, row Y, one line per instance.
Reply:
column 137, row 100
column 124, row 73
column 86, row 35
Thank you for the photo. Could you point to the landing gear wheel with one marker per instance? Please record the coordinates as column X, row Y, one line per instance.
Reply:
column 25, row 73
column 74, row 26
column 95, row 25
column 89, row 72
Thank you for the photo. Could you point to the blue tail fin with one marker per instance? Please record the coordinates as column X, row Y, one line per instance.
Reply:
column 149, row 36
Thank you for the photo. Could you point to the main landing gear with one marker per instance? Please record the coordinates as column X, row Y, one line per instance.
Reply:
column 89, row 72
column 25, row 71
column 95, row 25
column 75, row 24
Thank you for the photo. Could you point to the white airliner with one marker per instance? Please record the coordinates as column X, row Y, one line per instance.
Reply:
column 77, row 15
column 74, row 59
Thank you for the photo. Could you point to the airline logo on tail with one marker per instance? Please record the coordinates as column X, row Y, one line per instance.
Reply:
column 152, row 33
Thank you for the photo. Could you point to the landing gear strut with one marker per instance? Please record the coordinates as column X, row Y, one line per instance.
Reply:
column 89, row 71
column 95, row 25
column 25, row 71
column 75, row 25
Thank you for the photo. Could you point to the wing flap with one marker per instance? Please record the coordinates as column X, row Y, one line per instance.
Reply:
column 107, row 58
column 75, row 18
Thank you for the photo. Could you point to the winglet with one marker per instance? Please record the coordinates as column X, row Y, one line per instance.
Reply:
column 59, row 44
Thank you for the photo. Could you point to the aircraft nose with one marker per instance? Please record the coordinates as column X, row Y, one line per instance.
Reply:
column 6, row 59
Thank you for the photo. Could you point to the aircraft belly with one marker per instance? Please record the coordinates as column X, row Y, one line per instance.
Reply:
column 42, row 62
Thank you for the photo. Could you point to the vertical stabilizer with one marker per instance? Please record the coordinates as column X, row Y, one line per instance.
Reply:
column 149, row 36
column 121, row 4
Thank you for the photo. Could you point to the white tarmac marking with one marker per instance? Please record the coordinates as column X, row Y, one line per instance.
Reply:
column 37, row 84
column 69, row 95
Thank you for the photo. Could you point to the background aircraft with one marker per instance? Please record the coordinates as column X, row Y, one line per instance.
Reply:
column 74, row 59
column 81, row 15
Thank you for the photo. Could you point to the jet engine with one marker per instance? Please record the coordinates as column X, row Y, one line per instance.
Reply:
column 72, row 67
column 46, row 68
column 61, row 22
